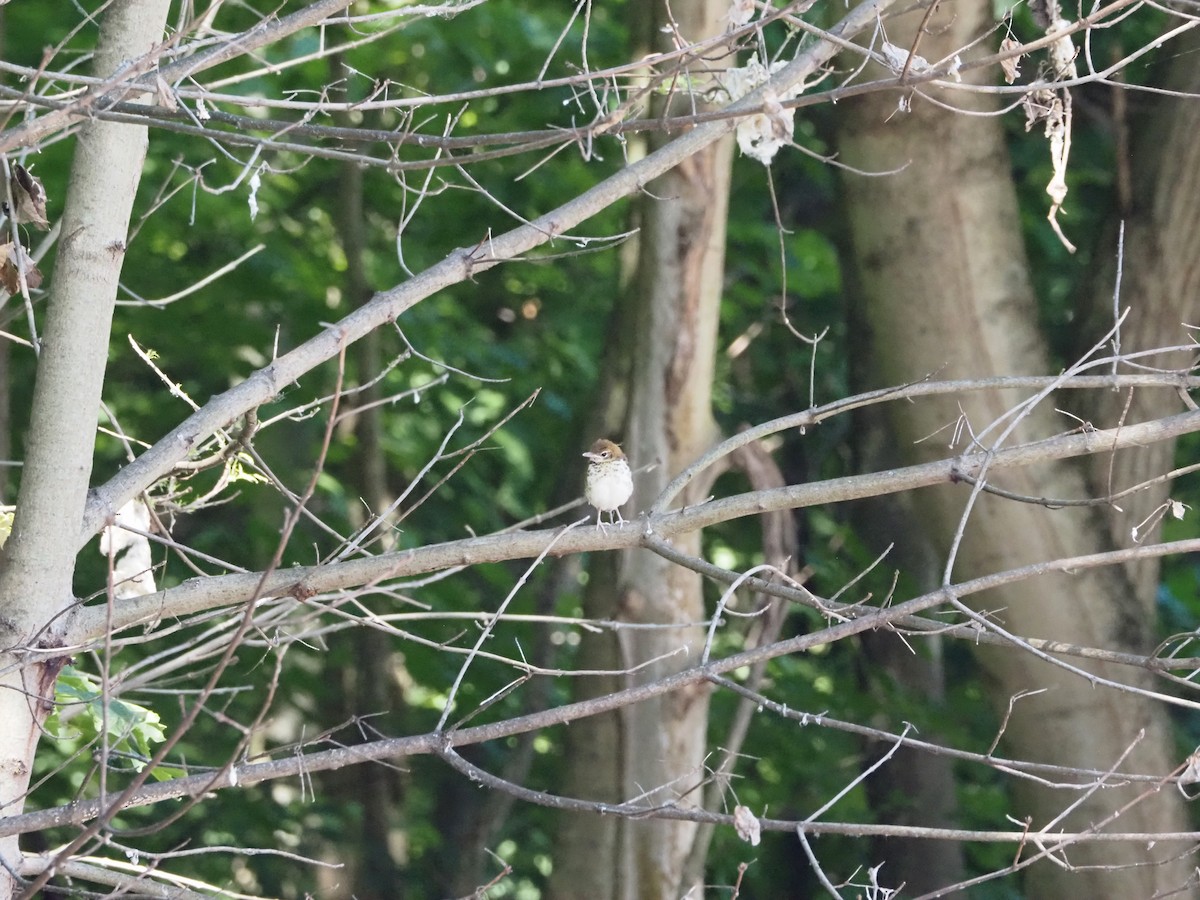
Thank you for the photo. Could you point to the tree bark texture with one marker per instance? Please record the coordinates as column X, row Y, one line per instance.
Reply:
column 665, row 340
column 39, row 558
column 1160, row 286
column 946, row 286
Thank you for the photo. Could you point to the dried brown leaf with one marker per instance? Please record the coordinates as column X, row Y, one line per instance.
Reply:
column 29, row 196
column 1044, row 12
column 1012, row 65
column 13, row 258
column 166, row 97
column 1040, row 105
column 748, row 827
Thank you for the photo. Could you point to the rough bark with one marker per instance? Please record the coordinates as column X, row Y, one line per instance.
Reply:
column 39, row 559
column 655, row 750
column 945, row 280
column 1160, row 287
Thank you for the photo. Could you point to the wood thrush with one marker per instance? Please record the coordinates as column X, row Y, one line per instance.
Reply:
column 609, row 481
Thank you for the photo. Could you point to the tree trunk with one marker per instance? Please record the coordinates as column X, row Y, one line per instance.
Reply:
column 371, row 691
column 665, row 342
column 946, row 285
column 39, row 558
column 1161, row 289
column 916, row 788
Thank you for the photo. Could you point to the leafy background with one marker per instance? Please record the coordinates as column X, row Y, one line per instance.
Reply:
column 537, row 326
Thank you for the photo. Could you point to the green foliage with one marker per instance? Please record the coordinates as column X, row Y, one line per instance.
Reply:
column 81, row 718
column 536, row 326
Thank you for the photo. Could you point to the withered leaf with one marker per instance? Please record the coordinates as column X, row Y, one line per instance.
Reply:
column 13, row 258
column 1044, row 12
column 1040, row 105
column 166, row 98
column 30, row 197
column 1012, row 65
column 748, row 827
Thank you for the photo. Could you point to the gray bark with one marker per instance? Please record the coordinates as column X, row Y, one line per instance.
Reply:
column 39, row 558
column 1160, row 287
column 944, row 276
column 666, row 348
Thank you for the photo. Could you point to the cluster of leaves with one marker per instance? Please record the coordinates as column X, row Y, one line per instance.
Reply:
column 26, row 206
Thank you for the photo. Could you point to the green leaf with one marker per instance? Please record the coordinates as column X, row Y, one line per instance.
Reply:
column 80, row 715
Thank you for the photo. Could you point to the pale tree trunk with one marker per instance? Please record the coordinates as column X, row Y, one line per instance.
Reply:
column 945, row 281
column 662, row 363
column 39, row 558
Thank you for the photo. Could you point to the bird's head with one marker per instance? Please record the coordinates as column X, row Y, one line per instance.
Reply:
column 604, row 450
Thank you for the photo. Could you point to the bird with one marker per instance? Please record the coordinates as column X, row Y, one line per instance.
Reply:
column 609, row 481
